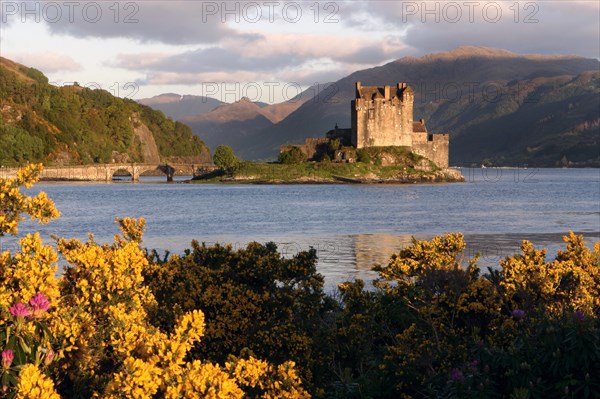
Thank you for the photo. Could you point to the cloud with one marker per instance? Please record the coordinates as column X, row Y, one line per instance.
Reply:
column 310, row 77
column 319, row 45
column 170, row 22
column 212, row 59
column 546, row 27
column 368, row 55
column 270, row 55
column 184, row 42
column 191, row 78
column 46, row 62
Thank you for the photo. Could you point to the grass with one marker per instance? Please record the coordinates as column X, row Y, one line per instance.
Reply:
column 315, row 172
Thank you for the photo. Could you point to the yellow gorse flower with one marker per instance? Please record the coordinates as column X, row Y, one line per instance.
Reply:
column 34, row 385
column 13, row 203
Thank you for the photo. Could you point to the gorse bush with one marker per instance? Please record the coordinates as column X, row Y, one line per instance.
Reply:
column 214, row 322
column 529, row 329
column 88, row 333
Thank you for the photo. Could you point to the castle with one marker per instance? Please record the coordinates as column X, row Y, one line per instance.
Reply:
column 381, row 117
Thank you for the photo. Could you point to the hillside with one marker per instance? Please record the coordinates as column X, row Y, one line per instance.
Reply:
column 497, row 106
column 76, row 125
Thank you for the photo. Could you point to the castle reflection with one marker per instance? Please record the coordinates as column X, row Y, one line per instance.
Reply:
column 351, row 257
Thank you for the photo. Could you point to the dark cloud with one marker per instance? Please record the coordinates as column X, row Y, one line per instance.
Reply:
column 171, row 22
column 553, row 33
column 212, row 59
column 253, row 59
column 369, row 55
column 529, row 27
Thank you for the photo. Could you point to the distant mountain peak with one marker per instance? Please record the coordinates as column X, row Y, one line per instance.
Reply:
column 480, row 52
column 470, row 51
column 164, row 98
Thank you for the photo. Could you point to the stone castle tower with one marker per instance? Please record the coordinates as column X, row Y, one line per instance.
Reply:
column 383, row 116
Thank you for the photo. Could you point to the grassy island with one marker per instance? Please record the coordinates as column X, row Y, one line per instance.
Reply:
column 372, row 165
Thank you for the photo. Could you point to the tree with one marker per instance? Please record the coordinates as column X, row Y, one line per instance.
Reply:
column 292, row 156
column 225, row 158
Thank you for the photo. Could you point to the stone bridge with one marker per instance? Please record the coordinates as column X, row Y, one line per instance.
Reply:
column 106, row 172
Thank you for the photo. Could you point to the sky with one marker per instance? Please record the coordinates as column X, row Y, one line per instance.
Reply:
column 270, row 50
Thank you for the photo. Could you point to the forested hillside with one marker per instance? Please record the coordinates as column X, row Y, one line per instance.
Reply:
column 40, row 122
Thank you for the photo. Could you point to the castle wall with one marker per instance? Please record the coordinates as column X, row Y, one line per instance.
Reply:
column 383, row 116
column 353, row 121
column 385, row 120
column 419, row 138
column 436, row 147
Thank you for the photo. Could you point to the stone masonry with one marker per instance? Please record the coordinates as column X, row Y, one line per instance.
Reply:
column 383, row 116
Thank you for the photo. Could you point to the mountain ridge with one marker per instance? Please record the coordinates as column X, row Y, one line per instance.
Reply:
column 444, row 115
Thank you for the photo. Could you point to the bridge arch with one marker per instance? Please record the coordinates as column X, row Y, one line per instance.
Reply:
column 166, row 169
column 122, row 173
column 106, row 172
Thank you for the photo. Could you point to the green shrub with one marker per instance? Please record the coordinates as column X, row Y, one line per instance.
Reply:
column 225, row 158
column 292, row 156
column 363, row 156
column 253, row 299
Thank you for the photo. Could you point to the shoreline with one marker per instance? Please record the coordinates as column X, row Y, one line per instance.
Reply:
column 437, row 177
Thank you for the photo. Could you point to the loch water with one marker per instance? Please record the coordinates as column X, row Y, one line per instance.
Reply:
column 352, row 227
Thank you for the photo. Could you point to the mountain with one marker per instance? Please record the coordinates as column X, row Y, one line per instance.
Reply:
column 230, row 123
column 497, row 106
column 178, row 106
column 76, row 125
column 217, row 122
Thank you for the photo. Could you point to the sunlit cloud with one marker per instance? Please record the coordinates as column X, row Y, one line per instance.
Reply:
column 183, row 43
column 48, row 62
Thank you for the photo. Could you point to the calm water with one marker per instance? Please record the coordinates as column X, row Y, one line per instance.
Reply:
column 351, row 226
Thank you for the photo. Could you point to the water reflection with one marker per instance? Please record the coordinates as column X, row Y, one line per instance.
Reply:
column 350, row 257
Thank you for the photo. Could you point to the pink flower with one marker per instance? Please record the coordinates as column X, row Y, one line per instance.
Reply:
column 49, row 356
column 39, row 302
column 578, row 316
column 19, row 310
column 518, row 314
column 7, row 358
column 457, row 375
